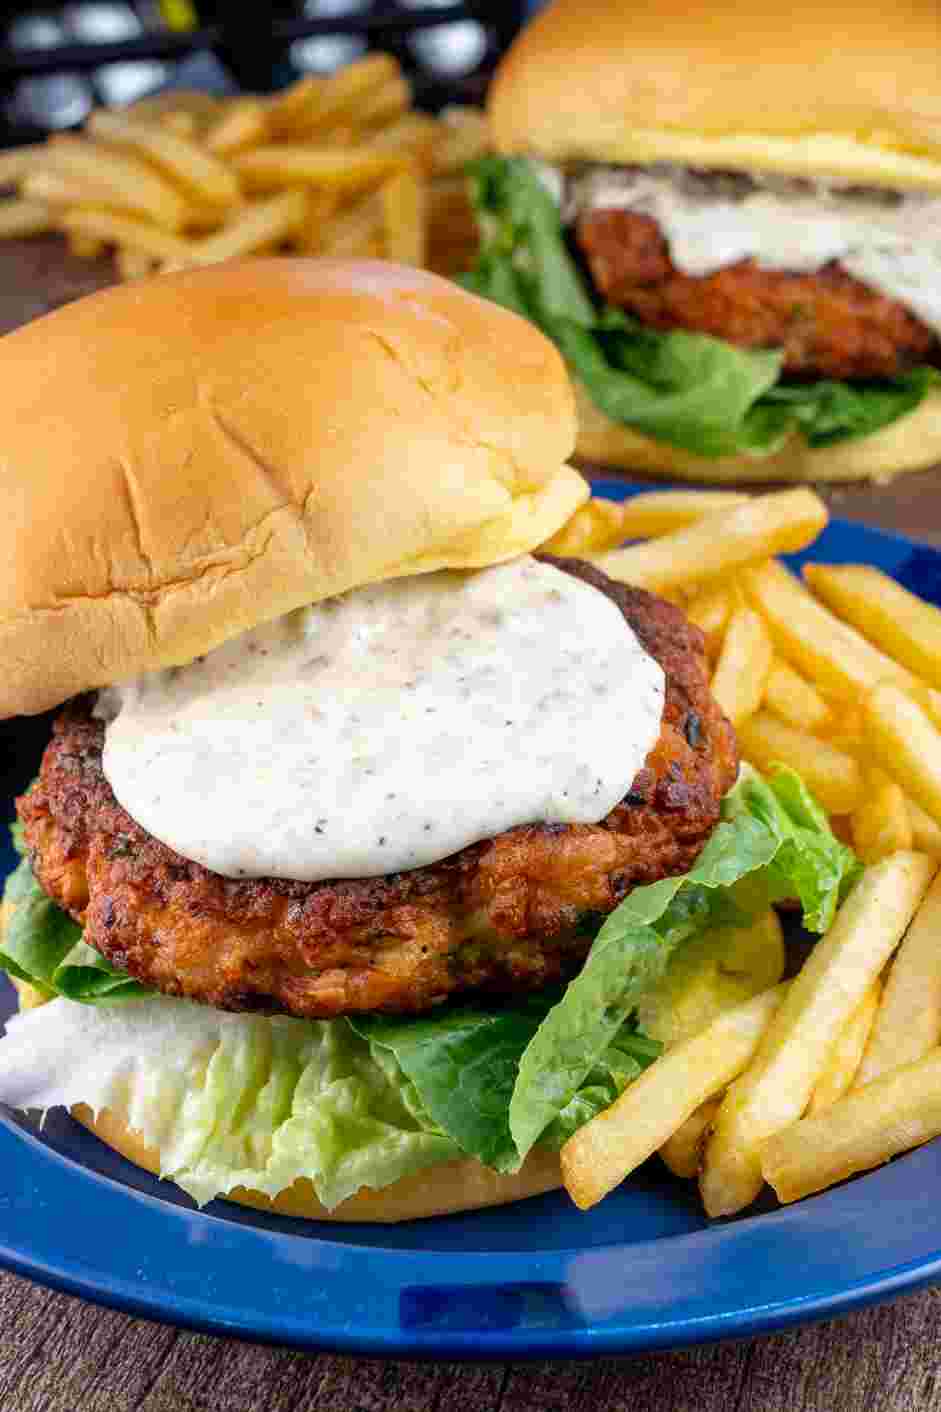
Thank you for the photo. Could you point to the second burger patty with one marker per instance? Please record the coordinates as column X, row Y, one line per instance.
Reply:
column 509, row 914
column 828, row 324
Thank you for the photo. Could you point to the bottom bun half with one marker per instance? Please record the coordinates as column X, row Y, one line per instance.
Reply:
column 435, row 1191
column 910, row 444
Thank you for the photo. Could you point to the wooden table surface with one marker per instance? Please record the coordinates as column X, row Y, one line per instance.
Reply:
column 60, row 1354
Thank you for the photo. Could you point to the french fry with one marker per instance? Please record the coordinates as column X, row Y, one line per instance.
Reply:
column 603, row 1152
column 844, row 1059
column 17, row 162
column 894, row 1113
column 928, row 698
column 926, row 834
column 290, row 108
column 202, row 107
column 259, row 226
column 201, row 174
column 21, row 217
column 682, row 1152
column 316, row 104
column 710, row 973
column 595, row 526
column 134, row 264
column 711, row 611
column 906, row 744
column 244, row 124
column 30, row 996
column 832, row 775
column 835, row 657
column 880, row 822
column 722, row 542
column 464, row 137
column 180, row 123
column 85, row 247
column 202, row 219
column 653, row 513
column 50, row 189
column 140, row 236
column 403, row 217
column 377, row 178
column 344, row 169
column 905, row 627
column 357, row 231
column 390, row 100
column 776, row 1088
column 744, row 665
column 794, row 700
column 413, row 137
column 322, row 206
column 908, row 1022
column 119, row 178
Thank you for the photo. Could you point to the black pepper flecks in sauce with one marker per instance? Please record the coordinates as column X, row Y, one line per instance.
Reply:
column 390, row 727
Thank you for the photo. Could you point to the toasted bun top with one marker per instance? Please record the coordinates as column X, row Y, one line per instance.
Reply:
column 188, row 456
column 839, row 88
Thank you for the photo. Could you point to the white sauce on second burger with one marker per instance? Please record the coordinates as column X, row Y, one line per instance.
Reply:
column 892, row 244
column 390, row 727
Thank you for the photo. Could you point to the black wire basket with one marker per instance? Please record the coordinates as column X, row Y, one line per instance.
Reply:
column 57, row 63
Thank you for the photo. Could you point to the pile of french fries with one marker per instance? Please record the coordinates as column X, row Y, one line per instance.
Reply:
column 330, row 166
column 804, row 1083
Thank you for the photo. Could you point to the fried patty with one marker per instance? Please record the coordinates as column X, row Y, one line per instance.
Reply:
column 509, row 914
column 828, row 324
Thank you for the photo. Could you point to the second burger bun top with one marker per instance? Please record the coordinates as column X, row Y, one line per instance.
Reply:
column 814, row 88
column 186, row 457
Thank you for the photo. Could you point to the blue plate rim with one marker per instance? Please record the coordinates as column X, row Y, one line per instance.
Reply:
column 559, row 1281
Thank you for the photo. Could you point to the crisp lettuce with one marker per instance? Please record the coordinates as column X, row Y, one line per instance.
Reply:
column 463, row 1065
column 43, row 946
column 227, row 1100
column 693, row 391
column 246, row 1100
column 810, row 864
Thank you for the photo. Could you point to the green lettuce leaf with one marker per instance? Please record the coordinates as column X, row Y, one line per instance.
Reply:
column 629, row 956
column 246, row 1100
column 228, row 1100
column 499, row 1082
column 461, row 1067
column 42, row 945
column 810, row 864
column 693, row 391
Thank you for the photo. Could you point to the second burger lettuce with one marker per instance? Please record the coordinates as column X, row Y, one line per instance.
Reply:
column 690, row 390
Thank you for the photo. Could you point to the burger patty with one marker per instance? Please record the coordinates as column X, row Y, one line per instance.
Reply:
column 509, row 914
column 828, row 324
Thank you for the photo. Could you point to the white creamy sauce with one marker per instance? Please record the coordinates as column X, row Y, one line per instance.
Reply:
column 390, row 727
column 890, row 243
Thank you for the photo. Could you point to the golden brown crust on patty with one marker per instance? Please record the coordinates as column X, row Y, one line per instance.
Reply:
column 511, row 913
column 827, row 324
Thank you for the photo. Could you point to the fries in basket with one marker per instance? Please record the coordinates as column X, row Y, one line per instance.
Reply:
column 340, row 165
column 806, row 1083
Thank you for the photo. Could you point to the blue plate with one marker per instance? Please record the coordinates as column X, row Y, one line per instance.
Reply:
column 643, row 1270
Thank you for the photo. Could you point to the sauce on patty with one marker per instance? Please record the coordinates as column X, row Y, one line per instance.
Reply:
column 889, row 241
column 389, row 728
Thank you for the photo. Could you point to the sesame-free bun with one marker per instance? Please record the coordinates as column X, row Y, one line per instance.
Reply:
column 187, row 456
column 435, row 1191
column 844, row 89
column 911, row 443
